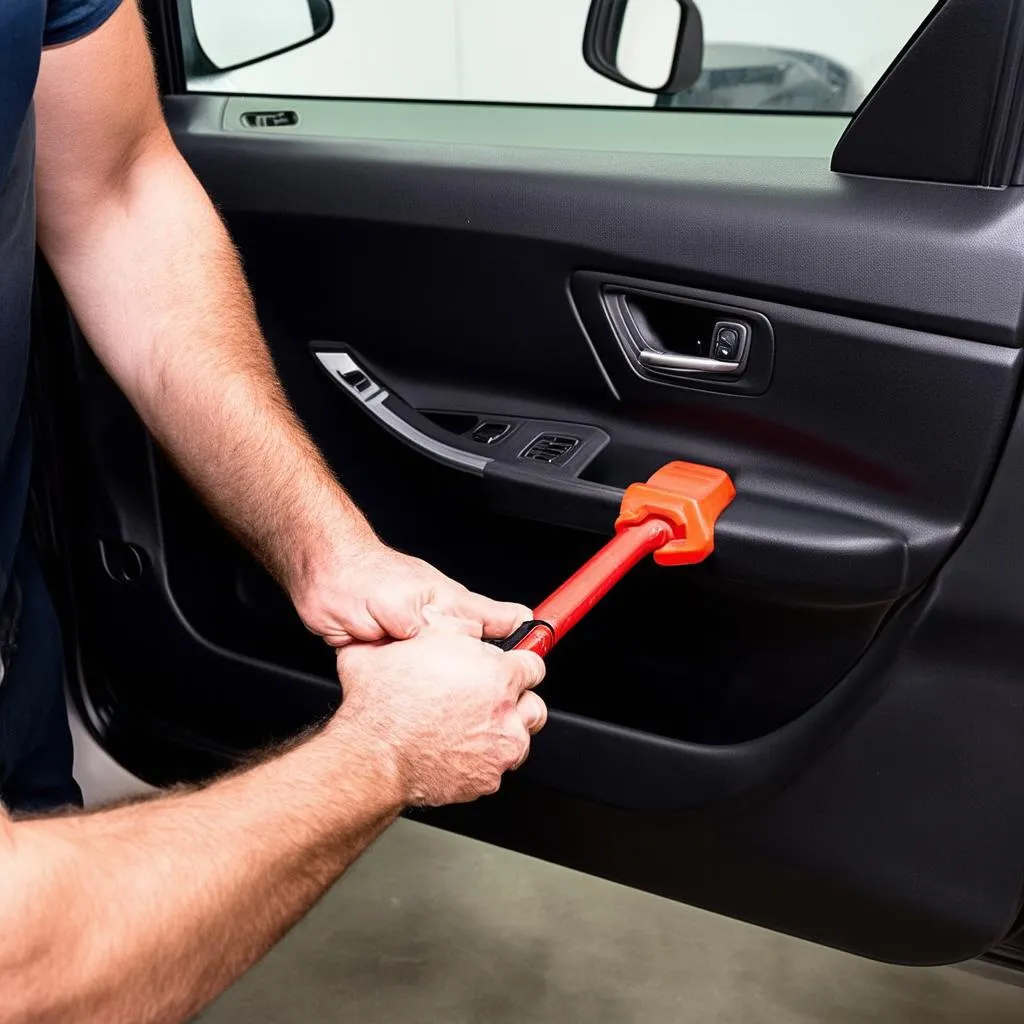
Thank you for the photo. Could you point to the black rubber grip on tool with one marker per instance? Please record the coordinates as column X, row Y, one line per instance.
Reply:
column 514, row 639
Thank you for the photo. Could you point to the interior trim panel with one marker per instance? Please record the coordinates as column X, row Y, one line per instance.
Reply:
column 766, row 214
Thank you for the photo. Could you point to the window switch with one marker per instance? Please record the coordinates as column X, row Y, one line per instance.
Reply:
column 554, row 449
column 490, row 432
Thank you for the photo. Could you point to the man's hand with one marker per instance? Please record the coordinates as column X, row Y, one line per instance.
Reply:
column 380, row 593
column 451, row 714
column 145, row 912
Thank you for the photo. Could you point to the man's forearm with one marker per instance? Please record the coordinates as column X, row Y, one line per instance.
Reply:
column 154, row 280
column 155, row 283
column 145, row 913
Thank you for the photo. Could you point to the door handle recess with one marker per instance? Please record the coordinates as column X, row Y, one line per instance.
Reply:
column 667, row 339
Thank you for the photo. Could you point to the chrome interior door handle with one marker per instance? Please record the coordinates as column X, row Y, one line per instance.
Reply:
column 689, row 364
column 669, row 339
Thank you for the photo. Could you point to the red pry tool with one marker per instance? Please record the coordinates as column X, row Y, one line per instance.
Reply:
column 672, row 516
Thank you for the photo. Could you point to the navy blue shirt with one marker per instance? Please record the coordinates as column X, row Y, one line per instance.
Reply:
column 26, row 26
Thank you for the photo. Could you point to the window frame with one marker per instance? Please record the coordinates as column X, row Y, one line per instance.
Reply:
column 902, row 101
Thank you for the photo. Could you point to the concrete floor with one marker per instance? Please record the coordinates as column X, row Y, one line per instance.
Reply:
column 430, row 927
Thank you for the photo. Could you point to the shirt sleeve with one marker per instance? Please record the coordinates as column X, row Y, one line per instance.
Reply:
column 68, row 20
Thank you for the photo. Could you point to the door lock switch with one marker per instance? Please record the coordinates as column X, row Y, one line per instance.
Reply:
column 729, row 341
column 490, row 432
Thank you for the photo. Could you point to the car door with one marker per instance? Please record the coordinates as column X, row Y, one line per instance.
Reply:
column 494, row 317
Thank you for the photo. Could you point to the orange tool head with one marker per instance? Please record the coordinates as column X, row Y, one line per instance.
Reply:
column 691, row 498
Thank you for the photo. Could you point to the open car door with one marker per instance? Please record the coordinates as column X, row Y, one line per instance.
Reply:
column 493, row 319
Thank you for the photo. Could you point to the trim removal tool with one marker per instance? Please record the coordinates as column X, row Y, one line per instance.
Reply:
column 672, row 516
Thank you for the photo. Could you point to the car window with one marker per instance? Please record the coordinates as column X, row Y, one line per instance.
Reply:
column 808, row 56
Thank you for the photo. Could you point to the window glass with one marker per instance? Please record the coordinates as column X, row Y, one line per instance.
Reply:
column 818, row 56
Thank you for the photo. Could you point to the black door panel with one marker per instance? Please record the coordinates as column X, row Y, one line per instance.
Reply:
column 812, row 729
column 784, row 229
column 901, row 837
column 848, row 491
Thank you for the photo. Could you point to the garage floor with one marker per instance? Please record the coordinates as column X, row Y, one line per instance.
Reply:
column 430, row 927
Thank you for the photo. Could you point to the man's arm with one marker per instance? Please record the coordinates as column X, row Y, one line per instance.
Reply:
column 146, row 912
column 156, row 285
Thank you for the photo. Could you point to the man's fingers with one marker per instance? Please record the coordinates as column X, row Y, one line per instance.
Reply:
column 502, row 618
column 532, row 711
column 498, row 618
column 404, row 619
column 527, row 667
column 442, row 622
column 399, row 619
column 360, row 629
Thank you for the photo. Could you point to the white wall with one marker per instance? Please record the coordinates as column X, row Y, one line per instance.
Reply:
column 531, row 51
column 864, row 35
column 383, row 48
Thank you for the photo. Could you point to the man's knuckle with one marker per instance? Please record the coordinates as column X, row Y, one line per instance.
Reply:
column 522, row 754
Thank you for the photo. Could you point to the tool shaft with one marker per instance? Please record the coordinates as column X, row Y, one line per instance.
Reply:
column 578, row 595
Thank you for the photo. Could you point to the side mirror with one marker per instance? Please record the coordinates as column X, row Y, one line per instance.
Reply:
column 653, row 45
column 222, row 35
